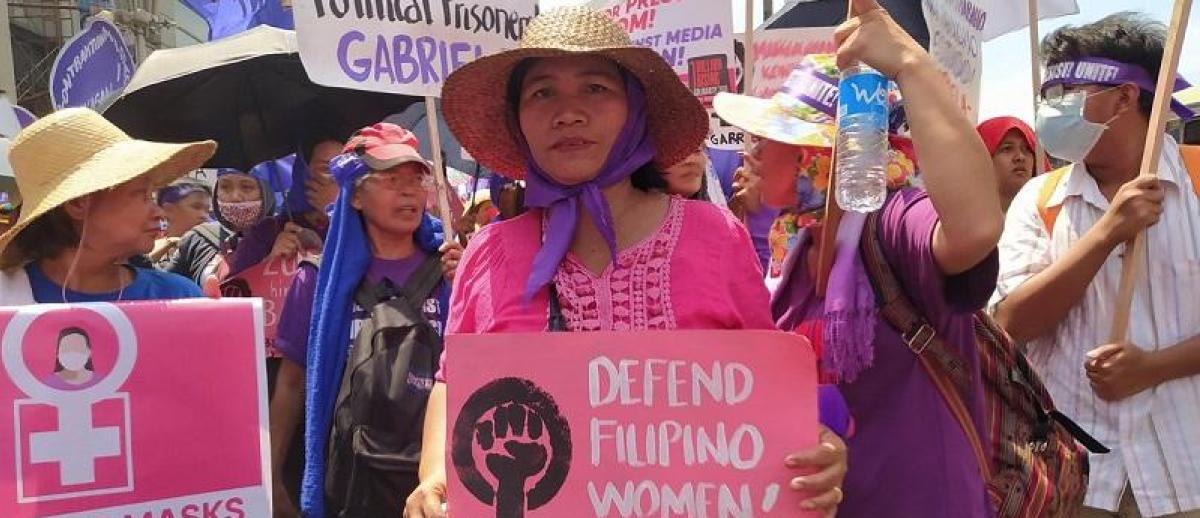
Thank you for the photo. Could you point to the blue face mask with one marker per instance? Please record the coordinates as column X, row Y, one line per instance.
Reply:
column 1064, row 131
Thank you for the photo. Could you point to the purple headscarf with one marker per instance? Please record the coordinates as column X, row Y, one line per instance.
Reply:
column 632, row 150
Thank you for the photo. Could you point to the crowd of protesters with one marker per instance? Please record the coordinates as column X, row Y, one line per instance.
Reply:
column 605, row 212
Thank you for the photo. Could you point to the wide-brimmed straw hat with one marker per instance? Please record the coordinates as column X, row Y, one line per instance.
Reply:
column 802, row 113
column 76, row 152
column 476, row 107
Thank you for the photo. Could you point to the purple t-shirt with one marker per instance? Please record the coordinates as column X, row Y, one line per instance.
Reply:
column 292, row 333
column 908, row 455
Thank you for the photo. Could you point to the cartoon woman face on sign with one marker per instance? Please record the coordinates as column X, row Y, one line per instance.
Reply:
column 73, row 360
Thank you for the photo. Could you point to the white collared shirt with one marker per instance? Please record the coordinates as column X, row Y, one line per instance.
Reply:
column 1154, row 435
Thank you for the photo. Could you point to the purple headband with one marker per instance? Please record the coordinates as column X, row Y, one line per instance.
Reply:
column 632, row 150
column 1101, row 71
column 812, row 87
column 174, row 193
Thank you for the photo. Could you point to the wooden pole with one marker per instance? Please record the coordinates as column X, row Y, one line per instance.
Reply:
column 833, row 211
column 439, row 173
column 1134, row 252
column 1035, row 73
column 739, row 210
column 748, row 69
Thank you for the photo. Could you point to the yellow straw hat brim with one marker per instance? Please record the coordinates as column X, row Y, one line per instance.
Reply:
column 116, row 164
column 475, row 104
column 765, row 118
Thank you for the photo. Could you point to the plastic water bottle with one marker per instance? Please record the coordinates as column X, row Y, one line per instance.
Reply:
column 862, row 145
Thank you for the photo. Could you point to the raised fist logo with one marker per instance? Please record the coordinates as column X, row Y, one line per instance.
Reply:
column 525, row 444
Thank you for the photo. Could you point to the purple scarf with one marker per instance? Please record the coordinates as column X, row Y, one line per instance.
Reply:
column 632, row 150
column 851, row 313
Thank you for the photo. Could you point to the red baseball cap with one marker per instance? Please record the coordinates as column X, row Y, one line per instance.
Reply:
column 384, row 146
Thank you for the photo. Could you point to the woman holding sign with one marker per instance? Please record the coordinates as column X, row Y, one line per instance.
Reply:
column 589, row 122
column 910, row 454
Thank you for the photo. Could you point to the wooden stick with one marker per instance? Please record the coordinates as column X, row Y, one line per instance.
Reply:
column 1035, row 69
column 1134, row 252
column 748, row 68
column 439, row 173
column 739, row 209
column 833, row 211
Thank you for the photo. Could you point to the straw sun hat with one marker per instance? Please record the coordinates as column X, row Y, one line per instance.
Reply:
column 76, row 152
column 476, row 107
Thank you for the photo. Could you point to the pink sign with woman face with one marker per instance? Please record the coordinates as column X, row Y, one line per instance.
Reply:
column 661, row 423
column 138, row 409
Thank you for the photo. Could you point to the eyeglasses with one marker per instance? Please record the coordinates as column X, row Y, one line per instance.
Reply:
column 397, row 181
column 1057, row 92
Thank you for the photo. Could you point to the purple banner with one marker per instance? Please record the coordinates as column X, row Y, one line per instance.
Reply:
column 91, row 68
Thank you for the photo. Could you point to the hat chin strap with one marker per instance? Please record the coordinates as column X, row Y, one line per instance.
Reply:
column 87, row 210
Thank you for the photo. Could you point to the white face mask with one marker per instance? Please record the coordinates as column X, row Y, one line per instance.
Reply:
column 72, row 360
column 1064, row 131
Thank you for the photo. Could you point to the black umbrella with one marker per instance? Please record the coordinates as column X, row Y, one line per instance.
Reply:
column 249, row 92
column 828, row 13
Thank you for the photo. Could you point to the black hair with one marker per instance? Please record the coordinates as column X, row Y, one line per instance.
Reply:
column 645, row 178
column 58, row 345
column 45, row 238
column 1126, row 37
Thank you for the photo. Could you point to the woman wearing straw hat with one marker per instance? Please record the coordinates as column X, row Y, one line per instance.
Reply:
column 910, row 456
column 88, row 192
column 589, row 121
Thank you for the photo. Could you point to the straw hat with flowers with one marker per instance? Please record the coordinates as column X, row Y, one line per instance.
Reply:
column 478, row 113
column 75, row 152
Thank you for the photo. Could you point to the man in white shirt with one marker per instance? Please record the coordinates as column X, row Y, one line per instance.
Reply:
column 1061, row 261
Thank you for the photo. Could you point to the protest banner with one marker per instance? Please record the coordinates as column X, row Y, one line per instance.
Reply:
column 1131, row 264
column 404, row 47
column 778, row 51
column 999, row 17
column 694, row 36
column 269, row 280
column 657, row 423
column 116, row 411
column 955, row 43
column 92, row 67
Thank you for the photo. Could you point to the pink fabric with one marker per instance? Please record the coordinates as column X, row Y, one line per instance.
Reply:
column 698, row 271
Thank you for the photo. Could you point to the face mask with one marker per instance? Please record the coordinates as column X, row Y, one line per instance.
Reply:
column 1063, row 130
column 242, row 215
column 73, row 361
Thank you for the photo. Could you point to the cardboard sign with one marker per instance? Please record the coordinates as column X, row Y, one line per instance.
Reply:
column 778, row 51
column 662, row 423
column 269, row 280
column 955, row 36
column 404, row 47
column 91, row 68
column 694, row 36
column 147, row 409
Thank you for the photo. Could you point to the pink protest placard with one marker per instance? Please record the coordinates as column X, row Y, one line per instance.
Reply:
column 657, row 423
column 146, row 410
column 269, row 280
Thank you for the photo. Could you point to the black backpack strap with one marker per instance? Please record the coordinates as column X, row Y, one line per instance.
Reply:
column 419, row 286
column 424, row 280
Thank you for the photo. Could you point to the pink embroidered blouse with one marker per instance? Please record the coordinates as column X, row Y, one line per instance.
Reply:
column 697, row 271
